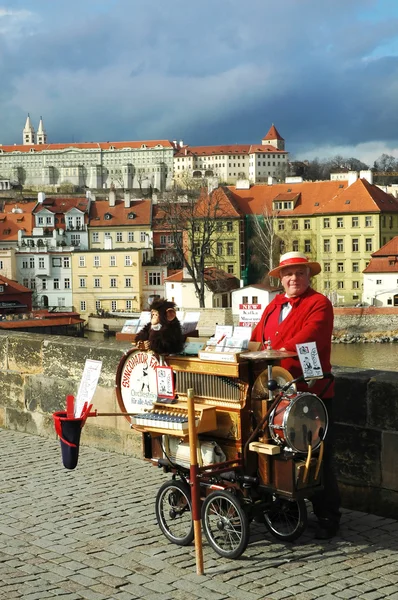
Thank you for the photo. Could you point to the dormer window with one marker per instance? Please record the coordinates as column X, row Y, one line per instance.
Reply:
column 107, row 216
column 1, row 287
column 131, row 215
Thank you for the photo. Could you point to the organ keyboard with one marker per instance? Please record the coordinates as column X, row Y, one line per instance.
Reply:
column 172, row 419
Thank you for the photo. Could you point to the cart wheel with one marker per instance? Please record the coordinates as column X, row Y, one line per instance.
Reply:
column 286, row 519
column 173, row 512
column 225, row 524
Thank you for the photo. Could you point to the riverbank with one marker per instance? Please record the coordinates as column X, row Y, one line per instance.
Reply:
column 374, row 337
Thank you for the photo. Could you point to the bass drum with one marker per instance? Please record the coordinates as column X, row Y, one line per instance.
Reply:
column 136, row 382
column 298, row 421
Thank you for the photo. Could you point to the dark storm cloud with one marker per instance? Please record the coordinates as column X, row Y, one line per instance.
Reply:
column 215, row 72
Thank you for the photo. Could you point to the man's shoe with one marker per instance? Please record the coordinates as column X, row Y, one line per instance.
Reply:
column 326, row 529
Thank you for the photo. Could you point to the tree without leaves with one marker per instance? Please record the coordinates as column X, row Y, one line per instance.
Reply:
column 264, row 242
column 193, row 217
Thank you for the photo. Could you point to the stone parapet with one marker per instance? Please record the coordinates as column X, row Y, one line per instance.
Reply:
column 37, row 372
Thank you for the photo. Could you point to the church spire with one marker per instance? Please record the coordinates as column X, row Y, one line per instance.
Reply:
column 41, row 133
column 28, row 133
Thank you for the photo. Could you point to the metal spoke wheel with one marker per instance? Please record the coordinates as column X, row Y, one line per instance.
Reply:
column 174, row 513
column 286, row 519
column 225, row 524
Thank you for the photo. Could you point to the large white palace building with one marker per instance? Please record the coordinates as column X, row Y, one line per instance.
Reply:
column 140, row 165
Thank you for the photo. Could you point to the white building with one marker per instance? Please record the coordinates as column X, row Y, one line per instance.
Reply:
column 380, row 280
column 179, row 288
column 249, row 302
column 254, row 162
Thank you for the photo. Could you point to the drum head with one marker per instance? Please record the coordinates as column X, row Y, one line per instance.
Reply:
column 136, row 383
column 260, row 386
column 306, row 413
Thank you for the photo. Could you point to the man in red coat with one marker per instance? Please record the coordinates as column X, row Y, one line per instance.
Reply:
column 298, row 316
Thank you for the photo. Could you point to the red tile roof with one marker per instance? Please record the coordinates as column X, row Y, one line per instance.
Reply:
column 219, row 204
column 384, row 260
column 316, row 197
column 229, row 150
column 141, row 209
column 14, row 286
column 60, row 205
column 273, row 134
column 11, row 222
column 87, row 146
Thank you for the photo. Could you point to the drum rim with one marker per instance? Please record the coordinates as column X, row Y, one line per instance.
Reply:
column 285, row 416
column 118, row 376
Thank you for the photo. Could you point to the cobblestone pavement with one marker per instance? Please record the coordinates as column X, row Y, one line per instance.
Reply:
column 91, row 533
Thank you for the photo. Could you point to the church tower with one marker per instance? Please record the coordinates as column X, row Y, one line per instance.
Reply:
column 28, row 133
column 41, row 133
column 274, row 138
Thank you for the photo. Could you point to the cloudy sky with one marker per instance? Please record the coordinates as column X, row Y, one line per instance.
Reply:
column 210, row 72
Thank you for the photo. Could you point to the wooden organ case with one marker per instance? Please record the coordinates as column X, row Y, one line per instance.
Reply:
column 222, row 392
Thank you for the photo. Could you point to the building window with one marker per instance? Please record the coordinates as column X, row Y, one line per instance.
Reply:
column 67, row 283
column 378, row 281
column 368, row 221
column 307, row 224
column 340, row 245
column 113, row 305
column 355, row 245
column 83, row 305
column 355, row 285
column 97, row 282
column 326, row 267
column 82, row 282
column 43, row 284
column 355, row 267
column 340, row 223
column 245, row 299
column 369, row 244
column 56, row 284
column 57, row 262
column 326, row 223
column 326, row 245
column 127, row 282
column 131, row 236
column 66, row 262
column 355, row 222
column 31, row 263
column 307, row 245
column 229, row 226
column 75, row 239
column 219, row 249
column 281, row 225
column 112, row 261
column 129, row 305
column 25, row 282
column 32, row 284
column 142, row 236
column 98, row 305
column 97, row 261
column 340, row 267
column 113, row 282
column 162, row 240
column 82, row 261
column 230, row 248
column 107, row 235
column 119, row 236
column 295, row 224
column 154, row 278
column 41, row 263
column 340, row 285
column 127, row 261
column 326, row 285
column 295, row 245
column 95, row 236
column 230, row 269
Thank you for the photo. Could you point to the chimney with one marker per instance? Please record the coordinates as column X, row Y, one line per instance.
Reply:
column 352, row 177
column 368, row 175
column 181, row 143
column 112, row 197
column 127, row 198
column 271, row 180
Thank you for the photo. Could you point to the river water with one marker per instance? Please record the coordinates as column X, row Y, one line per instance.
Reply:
column 365, row 356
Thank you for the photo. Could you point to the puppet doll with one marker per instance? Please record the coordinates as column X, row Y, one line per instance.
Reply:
column 163, row 334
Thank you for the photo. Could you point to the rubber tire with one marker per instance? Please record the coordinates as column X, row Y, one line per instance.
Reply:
column 227, row 507
column 173, row 492
column 296, row 510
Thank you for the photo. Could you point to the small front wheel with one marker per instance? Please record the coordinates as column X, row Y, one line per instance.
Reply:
column 286, row 519
column 174, row 512
column 225, row 524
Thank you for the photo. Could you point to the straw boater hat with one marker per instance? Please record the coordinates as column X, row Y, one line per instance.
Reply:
column 295, row 258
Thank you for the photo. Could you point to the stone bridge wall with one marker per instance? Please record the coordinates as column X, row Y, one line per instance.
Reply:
column 36, row 373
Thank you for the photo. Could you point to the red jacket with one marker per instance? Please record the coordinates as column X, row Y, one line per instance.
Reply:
column 310, row 320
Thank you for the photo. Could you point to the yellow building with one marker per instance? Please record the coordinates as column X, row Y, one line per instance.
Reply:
column 108, row 280
column 335, row 223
